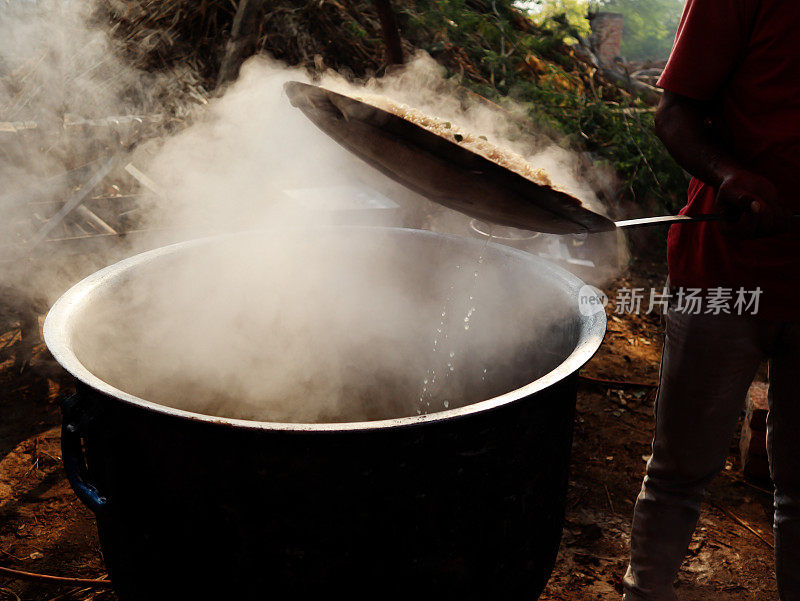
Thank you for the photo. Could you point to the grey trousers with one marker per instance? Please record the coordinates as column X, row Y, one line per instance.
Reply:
column 708, row 364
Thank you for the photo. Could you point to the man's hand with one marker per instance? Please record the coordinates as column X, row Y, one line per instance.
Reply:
column 753, row 204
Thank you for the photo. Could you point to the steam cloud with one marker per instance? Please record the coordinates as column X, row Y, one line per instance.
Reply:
column 288, row 324
column 59, row 70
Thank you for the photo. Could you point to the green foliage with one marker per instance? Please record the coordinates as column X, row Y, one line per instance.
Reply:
column 567, row 16
column 616, row 135
column 355, row 29
column 650, row 25
column 616, row 130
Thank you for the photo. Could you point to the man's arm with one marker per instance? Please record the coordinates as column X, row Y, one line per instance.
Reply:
column 680, row 123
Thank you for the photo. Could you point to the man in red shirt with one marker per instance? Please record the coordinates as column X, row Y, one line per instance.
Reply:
column 731, row 117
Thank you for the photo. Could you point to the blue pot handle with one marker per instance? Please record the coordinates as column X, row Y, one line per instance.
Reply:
column 73, row 428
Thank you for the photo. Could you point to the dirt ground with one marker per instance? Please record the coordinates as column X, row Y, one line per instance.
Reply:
column 45, row 529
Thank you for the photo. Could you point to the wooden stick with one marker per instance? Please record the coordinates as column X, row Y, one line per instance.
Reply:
column 10, row 593
column 76, row 199
column 618, row 383
column 608, row 496
column 70, row 594
column 242, row 39
column 95, row 221
column 742, row 523
column 143, row 179
column 741, row 480
column 391, row 33
column 21, row 575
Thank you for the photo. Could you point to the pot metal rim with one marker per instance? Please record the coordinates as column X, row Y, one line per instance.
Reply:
column 60, row 317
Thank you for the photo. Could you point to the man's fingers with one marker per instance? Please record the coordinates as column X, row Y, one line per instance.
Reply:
column 765, row 219
column 752, row 205
column 735, row 205
column 772, row 217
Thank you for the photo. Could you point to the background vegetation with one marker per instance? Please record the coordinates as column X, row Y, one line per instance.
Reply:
column 650, row 25
column 493, row 47
column 538, row 67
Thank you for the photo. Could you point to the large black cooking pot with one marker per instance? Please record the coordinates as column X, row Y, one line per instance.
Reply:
column 369, row 499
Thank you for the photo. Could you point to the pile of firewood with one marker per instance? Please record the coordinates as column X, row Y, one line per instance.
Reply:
column 350, row 36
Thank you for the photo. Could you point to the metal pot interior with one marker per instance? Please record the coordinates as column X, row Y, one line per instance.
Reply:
column 322, row 326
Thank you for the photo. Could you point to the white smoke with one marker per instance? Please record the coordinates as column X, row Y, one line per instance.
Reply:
column 293, row 323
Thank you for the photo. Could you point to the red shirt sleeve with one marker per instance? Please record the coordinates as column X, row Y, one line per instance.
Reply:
column 712, row 39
